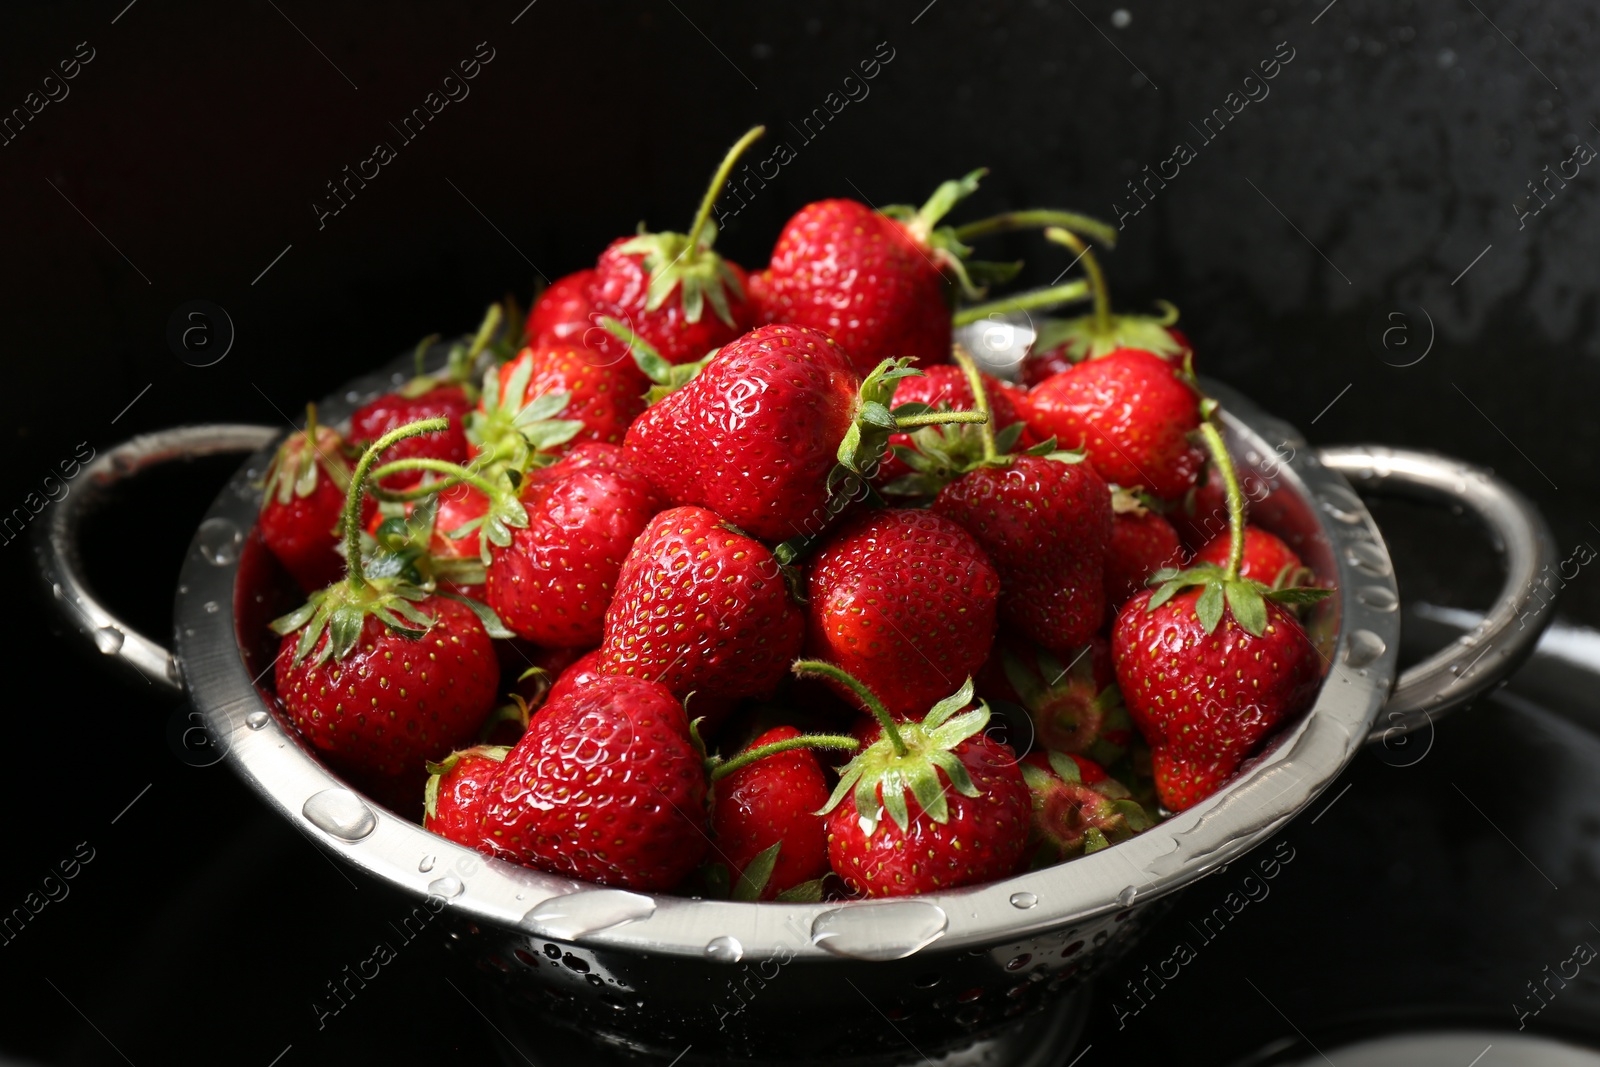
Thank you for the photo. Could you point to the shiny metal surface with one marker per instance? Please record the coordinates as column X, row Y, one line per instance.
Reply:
column 1477, row 660
column 657, row 974
column 56, row 539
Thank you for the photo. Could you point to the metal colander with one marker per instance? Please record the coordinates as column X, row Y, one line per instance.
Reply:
column 950, row 974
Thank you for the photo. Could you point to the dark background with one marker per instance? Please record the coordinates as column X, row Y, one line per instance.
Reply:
column 1388, row 156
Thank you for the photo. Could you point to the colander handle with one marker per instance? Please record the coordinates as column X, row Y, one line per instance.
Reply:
column 1476, row 661
column 56, row 539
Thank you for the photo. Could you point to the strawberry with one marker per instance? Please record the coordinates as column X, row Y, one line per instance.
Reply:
column 515, row 426
column 662, row 285
column 561, row 314
column 605, row 787
column 1045, row 521
column 701, row 608
column 904, row 600
column 1266, row 558
column 965, row 819
column 302, row 501
column 1210, row 663
column 605, row 399
column 378, row 673
column 772, row 429
column 454, row 796
column 393, row 410
column 945, row 387
column 764, row 815
column 579, row 673
column 1072, row 702
column 1077, row 807
column 1131, row 412
column 552, row 583
column 1142, row 542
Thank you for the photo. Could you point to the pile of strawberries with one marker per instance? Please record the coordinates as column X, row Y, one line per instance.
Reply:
column 751, row 584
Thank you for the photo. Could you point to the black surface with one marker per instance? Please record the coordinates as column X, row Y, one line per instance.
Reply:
column 197, row 138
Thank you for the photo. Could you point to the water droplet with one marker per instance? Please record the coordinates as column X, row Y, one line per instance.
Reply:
column 589, row 911
column 1126, row 896
column 1016, row 963
column 340, row 813
column 426, row 865
column 219, row 541
column 1024, row 900
column 211, row 607
column 182, row 589
column 108, row 639
column 55, row 589
column 1369, row 558
column 1342, row 504
column 1365, row 646
column 256, row 719
column 447, row 887
column 1378, row 597
column 889, row 931
column 724, row 949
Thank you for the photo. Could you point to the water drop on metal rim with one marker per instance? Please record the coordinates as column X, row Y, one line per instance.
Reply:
column 426, row 865
column 256, row 719
column 1367, row 557
column 1365, row 646
column 1125, row 897
column 108, row 639
column 447, row 887
column 1378, row 597
column 218, row 541
column 1024, row 900
column 724, row 949
column 889, row 931
column 588, row 911
column 340, row 813
column 211, row 607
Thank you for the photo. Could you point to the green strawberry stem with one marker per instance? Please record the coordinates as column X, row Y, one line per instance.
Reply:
column 1091, row 268
column 1230, row 479
column 818, row 669
column 980, row 400
column 1011, row 221
column 455, row 472
column 358, row 481
column 1031, row 300
column 717, row 182
column 939, row 418
column 788, row 744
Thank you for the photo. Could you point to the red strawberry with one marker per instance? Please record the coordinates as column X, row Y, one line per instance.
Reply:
column 670, row 288
column 1203, row 515
column 1131, row 412
column 904, row 600
column 605, row 399
column 606, row 787
column 1205, row 696
column 552, row 583
column 701, row 608
column 956, row 802
column 302, row 503
column 758, row 435
column 771, row 802
column 1077, row 808
column 454, row 797
column 945, row 387
column 393, row 410
column 373, row 699
column 861, row 277
column 1210, row 662
column 379, row 674
column 1266, row 558
column 1142, row 542
column 561, row 315
column 1045, row 522
column 582, row 671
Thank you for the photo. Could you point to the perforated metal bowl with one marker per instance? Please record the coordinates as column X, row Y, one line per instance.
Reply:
column 916, row 977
